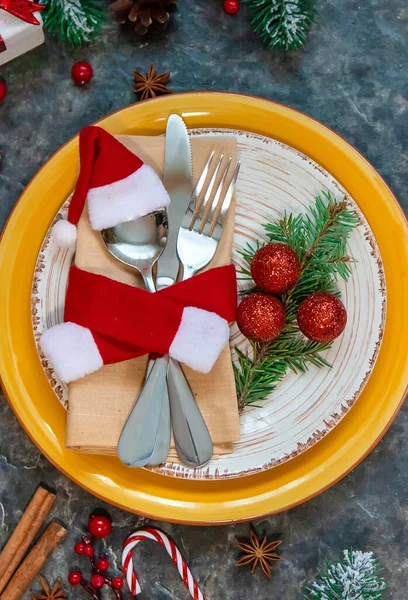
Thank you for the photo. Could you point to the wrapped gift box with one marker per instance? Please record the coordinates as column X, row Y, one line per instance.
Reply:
column 17, row 36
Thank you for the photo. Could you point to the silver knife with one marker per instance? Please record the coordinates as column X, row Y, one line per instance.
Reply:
column 191, row 435
column 178, row 181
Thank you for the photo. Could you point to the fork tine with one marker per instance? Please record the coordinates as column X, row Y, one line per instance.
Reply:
column 207, row 195
column 228, row 196
column 214, row 206
column 196, row 248
column 200, row 183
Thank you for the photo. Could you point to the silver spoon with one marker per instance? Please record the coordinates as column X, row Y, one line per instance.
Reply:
column 139, row 244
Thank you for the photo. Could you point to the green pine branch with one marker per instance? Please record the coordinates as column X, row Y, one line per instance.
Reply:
column 356, row 576
column 319, row 238
column 282, row 24
column 74, row 21
column 256, row 377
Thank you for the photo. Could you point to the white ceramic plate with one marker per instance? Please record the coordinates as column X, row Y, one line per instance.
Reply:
column 304, row 407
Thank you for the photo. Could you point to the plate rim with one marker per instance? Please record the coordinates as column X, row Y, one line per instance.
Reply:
column 309, row 124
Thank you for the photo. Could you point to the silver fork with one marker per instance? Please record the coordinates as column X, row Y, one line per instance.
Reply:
column 197, row 242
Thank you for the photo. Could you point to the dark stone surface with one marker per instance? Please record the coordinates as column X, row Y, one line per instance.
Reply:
column 352, row 77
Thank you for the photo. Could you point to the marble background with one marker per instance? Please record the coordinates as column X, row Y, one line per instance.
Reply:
column 352, row 75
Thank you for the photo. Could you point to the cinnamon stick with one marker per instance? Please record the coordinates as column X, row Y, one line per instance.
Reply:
column 24, row 533
column 30, row 567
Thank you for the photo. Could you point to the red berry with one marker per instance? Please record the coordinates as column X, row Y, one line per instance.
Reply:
column 117, row 583
column 99, row 526
column 89, row 551
column 97, row 581
column 3, row 90
column 260, row 317
column 103, row 564
column 79, row 548
column 74, row 578
column 275, row 268
column 81, row 72
column 231, row 7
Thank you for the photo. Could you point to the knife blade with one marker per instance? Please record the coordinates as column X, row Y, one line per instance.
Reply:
column 178, row 181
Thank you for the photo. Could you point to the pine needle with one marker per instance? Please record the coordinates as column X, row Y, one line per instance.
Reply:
column 319, row 238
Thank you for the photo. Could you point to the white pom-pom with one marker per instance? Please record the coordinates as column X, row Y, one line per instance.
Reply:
column 197, row 325
column 64, row 234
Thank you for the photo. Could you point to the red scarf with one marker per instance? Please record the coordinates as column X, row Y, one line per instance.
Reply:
column 130, row 321
column 108, row 322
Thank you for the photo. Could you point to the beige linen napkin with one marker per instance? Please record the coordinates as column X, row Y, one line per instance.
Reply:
column 100, row 403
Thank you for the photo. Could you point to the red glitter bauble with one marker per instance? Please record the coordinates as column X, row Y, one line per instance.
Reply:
column 99, row 526
column 322, row 317
column 231, row 7
column 82, row 72
column 261, row 318
column 97, row 581
column 275, row 268
column 3, row 90
column 74, row 578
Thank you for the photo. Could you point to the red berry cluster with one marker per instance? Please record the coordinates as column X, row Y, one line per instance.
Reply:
column 99, row 527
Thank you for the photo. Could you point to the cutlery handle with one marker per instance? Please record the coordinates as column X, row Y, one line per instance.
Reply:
column 138, row 439
column 163, row 436
column 192, row 438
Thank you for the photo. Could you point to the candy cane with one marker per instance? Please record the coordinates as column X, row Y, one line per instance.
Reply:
column 164, row 540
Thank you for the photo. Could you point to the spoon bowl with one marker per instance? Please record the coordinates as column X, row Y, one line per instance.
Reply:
column 139, row 243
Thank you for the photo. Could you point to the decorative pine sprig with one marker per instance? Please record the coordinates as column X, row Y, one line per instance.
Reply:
column 74, row 21
column 356, row 577
column 319, row 238
column 282, row 24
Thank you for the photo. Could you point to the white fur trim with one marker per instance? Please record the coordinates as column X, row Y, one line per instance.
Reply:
column 199, row 339
column 135, row 196
column 64, row 234
column 72, row 351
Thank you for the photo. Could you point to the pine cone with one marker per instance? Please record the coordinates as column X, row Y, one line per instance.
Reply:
column 145, row 14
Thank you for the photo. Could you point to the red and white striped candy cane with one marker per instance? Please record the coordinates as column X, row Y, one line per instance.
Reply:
column 164, row 540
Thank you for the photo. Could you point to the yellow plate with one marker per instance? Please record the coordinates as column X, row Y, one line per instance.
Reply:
column 199, row 502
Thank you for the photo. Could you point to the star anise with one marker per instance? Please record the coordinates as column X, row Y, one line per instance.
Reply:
column 56, row 593
column 258, row 554
column 151, row 84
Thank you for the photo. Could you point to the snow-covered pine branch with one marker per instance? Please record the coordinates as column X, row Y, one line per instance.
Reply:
column 74, row 21
column 282, row 24
column 356, row 577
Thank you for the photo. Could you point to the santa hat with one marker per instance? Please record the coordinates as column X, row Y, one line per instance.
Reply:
column 116, row 183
